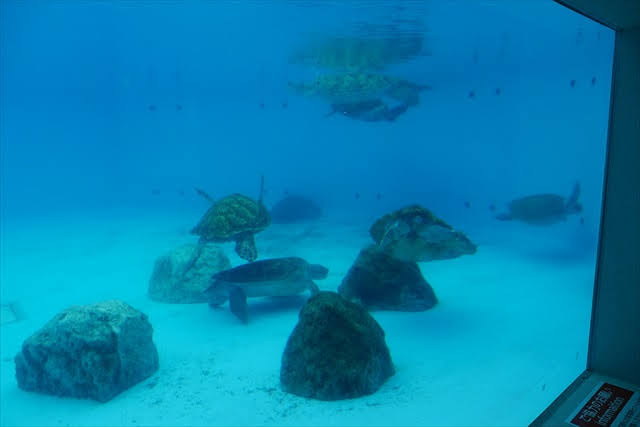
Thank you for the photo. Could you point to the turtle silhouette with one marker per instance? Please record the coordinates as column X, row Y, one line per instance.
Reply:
column 543, row 209
column 270, row 277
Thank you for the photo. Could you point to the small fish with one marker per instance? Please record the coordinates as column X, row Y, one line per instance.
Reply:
column 152, row 107
column 378, row 196
column 581, row 220
column 285, row 104
column 178, row 107
column 467, row 204
column 357, row 195
column 155, row 192
column 286, row 192
column 472, row 94
column 261, row 105
column 593, row 81
column 498, row 91
column 492, row 207
column 181, row 193
column 572, row 83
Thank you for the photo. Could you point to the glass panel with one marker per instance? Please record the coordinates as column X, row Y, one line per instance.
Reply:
column 124, row 122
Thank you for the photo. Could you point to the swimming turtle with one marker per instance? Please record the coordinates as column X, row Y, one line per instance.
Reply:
column 270, row 277
column 234, row 218
column 543, row 209
column 348, row 88
column 414, row 234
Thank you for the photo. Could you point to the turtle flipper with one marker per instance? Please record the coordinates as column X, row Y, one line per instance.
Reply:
column 216, row 295
column 246, row 247
column 204, row 194
column 313, row 288
column 238, row 303
column 572, row 205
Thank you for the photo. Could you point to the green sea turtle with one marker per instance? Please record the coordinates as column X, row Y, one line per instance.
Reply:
column 543, row 209
column 234, row 218
column 414, row 234
column 349, row 88
column 269, row 277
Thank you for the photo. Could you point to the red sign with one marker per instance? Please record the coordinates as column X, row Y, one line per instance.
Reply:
column 603, row 406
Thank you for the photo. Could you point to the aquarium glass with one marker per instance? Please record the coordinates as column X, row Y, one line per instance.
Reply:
column 202, row 169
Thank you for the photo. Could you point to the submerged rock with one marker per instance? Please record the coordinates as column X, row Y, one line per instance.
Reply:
column 414, row 234
column 183, row 275
column 336, row 351
column 378, row 281
column 94, row 351
column 293, row 209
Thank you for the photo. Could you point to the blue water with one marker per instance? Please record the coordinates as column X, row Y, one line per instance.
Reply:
column 111, row 114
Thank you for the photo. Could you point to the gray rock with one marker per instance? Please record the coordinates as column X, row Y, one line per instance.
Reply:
column 415, row 234
column 183, row 275
column 380, row 282
column 94, row 351
column 336, row 351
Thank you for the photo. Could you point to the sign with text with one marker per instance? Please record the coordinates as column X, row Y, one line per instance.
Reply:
column 607, row 406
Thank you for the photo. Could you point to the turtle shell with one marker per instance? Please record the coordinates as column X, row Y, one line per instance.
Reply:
column 265, row 270
column 230, row 217
column 354, row 53
column 348, row 87
column 538, row 208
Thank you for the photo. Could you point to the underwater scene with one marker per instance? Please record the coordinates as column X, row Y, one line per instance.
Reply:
column 302, row 213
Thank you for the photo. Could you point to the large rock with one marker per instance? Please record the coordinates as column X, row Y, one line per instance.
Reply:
column 336, row 351
column 94, row 351
column 381, row 282
column 415, row 234
column 183, row 275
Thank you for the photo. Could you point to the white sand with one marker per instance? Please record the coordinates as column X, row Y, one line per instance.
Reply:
column 509, row 334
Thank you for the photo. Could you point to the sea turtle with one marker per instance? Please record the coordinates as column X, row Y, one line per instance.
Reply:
column 349, row 88
column 234, row 218
column 414, row 234
column 269, row 277
column 543, row 209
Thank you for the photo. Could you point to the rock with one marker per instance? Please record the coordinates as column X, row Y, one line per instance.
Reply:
column 336, row 351
column 183, row 275
column 381, row 282
column 94, row 351
column 293, row 209
column 415, row 234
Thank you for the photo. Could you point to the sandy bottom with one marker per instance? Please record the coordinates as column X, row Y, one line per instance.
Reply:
column 509, row 334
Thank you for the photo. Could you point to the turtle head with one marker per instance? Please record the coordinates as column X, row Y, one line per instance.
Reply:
column 318, row 272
